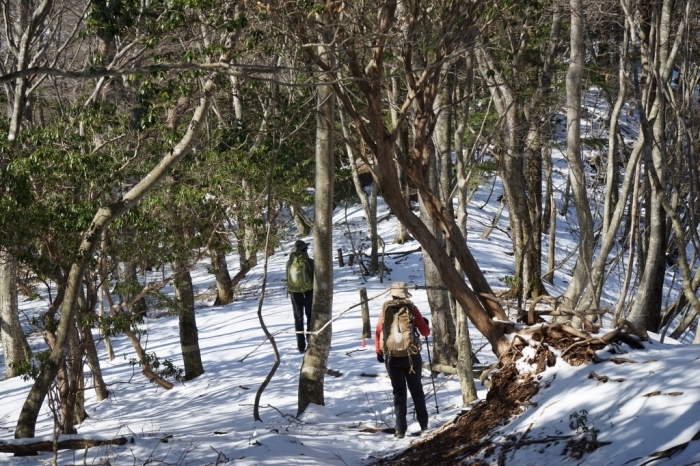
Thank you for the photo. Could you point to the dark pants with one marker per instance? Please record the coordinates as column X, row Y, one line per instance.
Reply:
column 399, row 372
column 301, row 304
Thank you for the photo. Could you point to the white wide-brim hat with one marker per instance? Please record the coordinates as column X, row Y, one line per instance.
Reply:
column 399, row 290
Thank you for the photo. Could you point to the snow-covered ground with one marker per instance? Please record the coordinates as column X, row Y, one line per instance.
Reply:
column 209, row 420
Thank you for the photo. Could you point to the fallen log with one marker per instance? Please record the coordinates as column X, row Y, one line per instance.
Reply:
column 451, row 370
column 31, row 446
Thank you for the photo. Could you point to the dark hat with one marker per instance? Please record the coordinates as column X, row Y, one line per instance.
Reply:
column 398, row 289
column 301, row 245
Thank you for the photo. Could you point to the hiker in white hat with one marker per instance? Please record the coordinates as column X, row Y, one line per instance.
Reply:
column 398, row 346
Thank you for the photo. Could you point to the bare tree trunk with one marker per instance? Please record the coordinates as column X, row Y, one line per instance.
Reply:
column 459, row 315
column 527, row 262
column 247, row 252
column 14, row 343
column 551, row 252
column 73, row 404
column 369, row 202
column 184, row 290
column 104, row 291
column 302, row 221
column 633, row 221
column 613, row 210
column 402, row 234
column 129, row 286
column 189, row 339
column 646, row 311
column 22, row 33
column 101, row 392
column 443, row 329
column 442, row 143
column 224, row 289
column 313, row 368
column 87, row 307
column 581, row 274
column 611, row 181
column 67, row 376
column 549, row 214
column 438, row 300
column 247, row 246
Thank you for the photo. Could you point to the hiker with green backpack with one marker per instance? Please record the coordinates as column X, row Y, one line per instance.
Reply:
column 300, row 285
column 398, row 346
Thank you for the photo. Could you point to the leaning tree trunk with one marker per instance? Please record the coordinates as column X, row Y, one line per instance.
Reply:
column 26, row 423
column 14, row 343
column 487, row 315
column 313, row 368
column 67, row 375
column 101, row 392
column 439, row 302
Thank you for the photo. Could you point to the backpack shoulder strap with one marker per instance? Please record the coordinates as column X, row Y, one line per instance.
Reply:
column 398, row 302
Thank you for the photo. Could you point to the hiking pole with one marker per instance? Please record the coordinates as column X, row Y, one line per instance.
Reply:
column 427, row 346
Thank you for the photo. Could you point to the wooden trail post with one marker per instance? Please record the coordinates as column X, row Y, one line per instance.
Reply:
column 366, row 328
column 341, row 262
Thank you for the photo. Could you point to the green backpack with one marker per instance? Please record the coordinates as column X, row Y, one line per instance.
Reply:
column 399, row 337
column 300, row 276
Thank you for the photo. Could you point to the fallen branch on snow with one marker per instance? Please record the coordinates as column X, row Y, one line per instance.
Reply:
column 31, row 446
